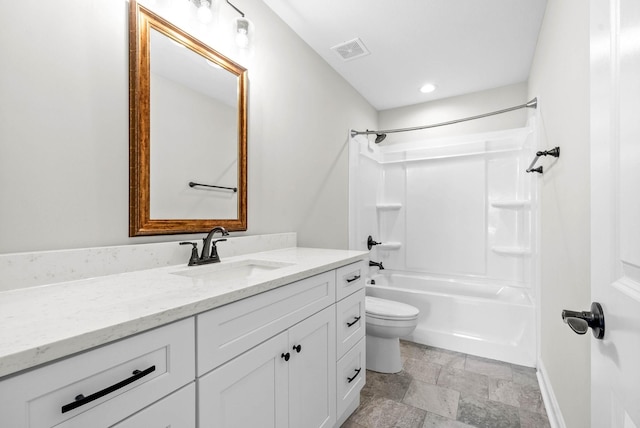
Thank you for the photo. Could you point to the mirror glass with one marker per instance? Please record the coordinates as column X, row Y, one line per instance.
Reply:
column 194, row 134
column 188, row 132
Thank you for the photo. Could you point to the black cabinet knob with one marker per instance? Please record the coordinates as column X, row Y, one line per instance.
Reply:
column 285, row 356
column 297, row 348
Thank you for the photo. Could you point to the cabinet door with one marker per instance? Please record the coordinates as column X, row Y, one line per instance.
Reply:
column 178, row 410
column 312, row 371
column 249, row 391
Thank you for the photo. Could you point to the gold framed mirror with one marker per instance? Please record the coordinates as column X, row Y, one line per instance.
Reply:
column 188, row 132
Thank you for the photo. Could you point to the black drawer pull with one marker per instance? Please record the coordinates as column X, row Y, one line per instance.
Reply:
column 297, row 348
column 350, row 379
column 355, row 320
column 285, row 356
column 355, row 278
column 81, row 400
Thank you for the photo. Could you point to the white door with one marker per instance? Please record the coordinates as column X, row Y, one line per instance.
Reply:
column 615, row 211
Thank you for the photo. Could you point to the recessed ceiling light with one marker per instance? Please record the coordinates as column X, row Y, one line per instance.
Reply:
column 427, row 88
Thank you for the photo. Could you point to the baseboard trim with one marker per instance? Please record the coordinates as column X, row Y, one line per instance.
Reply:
column 550, row 403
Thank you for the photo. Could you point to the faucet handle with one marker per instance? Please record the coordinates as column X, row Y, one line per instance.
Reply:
column 214, row 250
column 371, row 242
column 194, row 252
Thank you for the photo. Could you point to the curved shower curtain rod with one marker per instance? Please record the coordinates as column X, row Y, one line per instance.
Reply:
column 382, row 134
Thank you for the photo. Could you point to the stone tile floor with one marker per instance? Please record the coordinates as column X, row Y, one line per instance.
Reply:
column 440, row 388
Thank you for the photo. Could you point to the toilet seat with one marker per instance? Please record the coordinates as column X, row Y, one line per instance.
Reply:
column 389, row 310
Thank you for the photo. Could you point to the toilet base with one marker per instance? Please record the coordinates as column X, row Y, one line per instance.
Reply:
column 383, row 354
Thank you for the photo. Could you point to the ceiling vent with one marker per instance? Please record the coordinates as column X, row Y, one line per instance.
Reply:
column 351, row 50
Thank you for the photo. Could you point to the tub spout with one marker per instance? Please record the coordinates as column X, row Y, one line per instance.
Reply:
column 378, row 264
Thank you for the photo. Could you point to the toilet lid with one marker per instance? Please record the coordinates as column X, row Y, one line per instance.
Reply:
column 388, row 309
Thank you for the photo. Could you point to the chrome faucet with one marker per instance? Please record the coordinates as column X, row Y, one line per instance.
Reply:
column 209, row 252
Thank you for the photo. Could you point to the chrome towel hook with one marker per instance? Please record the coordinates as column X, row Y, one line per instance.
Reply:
column 555, row 152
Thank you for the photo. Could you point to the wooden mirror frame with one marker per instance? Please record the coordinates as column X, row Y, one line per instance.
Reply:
column 141, row 21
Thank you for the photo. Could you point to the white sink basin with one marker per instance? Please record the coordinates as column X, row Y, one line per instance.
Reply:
column 233, row 270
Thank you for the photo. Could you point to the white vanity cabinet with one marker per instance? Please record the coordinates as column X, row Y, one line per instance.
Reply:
column 274, row 385
column 290, row 356
column 105, row 385
column 277, row 351
column 251, row 371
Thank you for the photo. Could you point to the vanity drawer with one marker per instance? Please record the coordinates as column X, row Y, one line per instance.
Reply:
column 116, row 380
column 230, row 330
column 350, row 322
column 178, row 410
column 351, row 372
column 350, row 278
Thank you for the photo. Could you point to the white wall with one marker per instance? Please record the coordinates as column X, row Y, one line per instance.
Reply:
column 459, row 107
column 300, row 116
column 64, row 124
column 560, row 79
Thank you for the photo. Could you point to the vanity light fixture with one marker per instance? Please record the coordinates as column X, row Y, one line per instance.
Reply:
column 242, row 26
column 243, row 29
column 428, row 88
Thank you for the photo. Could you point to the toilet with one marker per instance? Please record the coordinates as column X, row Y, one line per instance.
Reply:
column 386, row 322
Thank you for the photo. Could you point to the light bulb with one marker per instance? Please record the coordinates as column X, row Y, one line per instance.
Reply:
column 242, row 37
column 205, row 15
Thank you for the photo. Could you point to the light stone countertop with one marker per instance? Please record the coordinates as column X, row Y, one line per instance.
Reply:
column 44, row 323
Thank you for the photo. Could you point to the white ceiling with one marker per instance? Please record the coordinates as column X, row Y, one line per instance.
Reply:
column 461, row 46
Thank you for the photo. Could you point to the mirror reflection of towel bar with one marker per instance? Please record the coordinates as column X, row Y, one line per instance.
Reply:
column 555, row 152
column 192, row 184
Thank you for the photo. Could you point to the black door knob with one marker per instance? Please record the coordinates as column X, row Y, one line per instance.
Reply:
column 285, row 356
column 297, row 348
column 581, row 321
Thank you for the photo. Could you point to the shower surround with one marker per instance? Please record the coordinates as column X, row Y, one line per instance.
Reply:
column 457, row 220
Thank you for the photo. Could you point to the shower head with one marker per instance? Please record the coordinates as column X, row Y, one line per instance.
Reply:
column 380, row 138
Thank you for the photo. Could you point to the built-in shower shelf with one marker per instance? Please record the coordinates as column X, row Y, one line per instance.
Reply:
column 389, row 207
column 390, row 245
column 511, row 251
column 514, row 204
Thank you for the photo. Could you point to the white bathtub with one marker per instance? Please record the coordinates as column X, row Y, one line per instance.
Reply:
column 482, row 319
